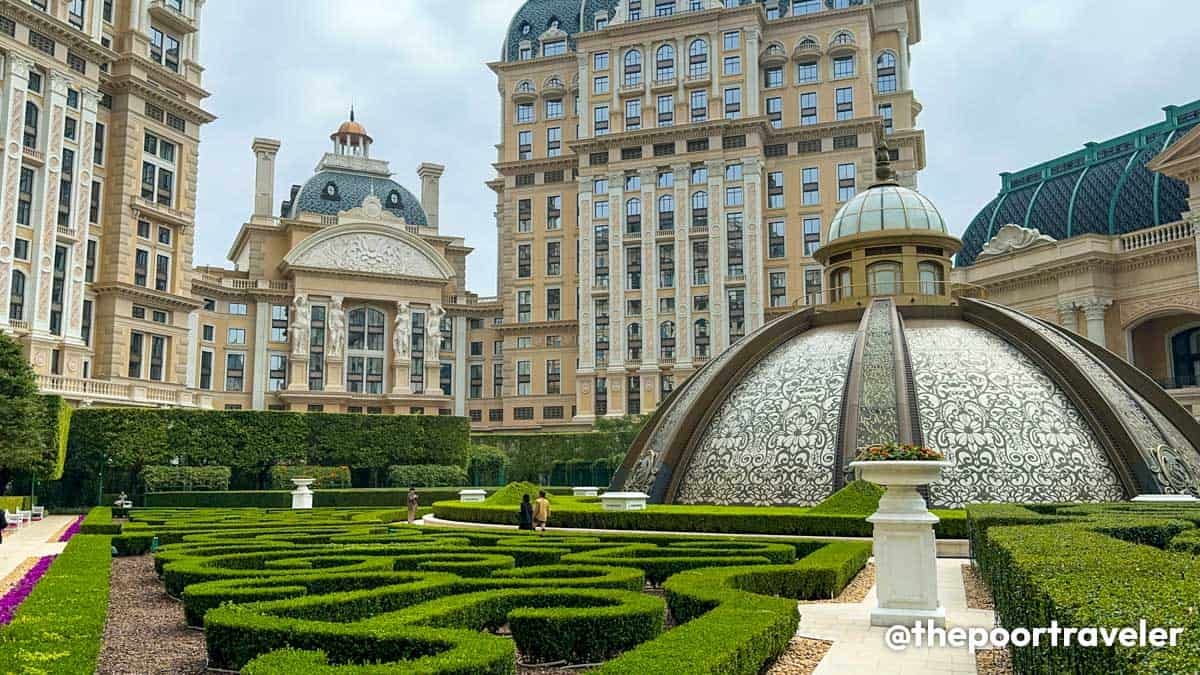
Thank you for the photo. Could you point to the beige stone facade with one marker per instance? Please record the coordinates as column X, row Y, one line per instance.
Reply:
column 665, row 174
column 101, row 117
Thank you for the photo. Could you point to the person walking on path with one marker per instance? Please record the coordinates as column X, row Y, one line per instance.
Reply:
column 413, row 501
column 541, row 511
column 4, row 523
column 525, row 518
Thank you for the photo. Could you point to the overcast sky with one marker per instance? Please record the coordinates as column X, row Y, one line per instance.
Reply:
column 1004, row 85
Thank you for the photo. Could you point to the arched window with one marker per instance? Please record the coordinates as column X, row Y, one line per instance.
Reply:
column 666, row 340
column 883, row 278
column 700, row 209
column 931, row 278
column 701, row 338
column 664, row 67
column 840, row 286
column 843, row 38
column 16, row 300
column 525, row 86
column 1185, row 357
column 666, row 212
column 31, row 124
column 633, row 336
column 554, row 83
column 633, row 216
column 633, row 68
column 885, row 73
column 365, row 350
column 698, row 58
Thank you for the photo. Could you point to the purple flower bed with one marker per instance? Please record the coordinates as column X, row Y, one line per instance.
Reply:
column 15, row 596
column 72, row 529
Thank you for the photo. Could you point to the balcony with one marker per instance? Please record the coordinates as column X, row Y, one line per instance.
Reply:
column 664, row 85
column 122, row 393
column 843, row 43
column 170, row 215
column 632, row 89
column 525, row 93
column 67, row 232
column 698, row 79
column 774, row 55
column 807, row 50
column 282, row 285
column 34, row 155
column 1163, row 234
column 554, row 89
column 171, row 18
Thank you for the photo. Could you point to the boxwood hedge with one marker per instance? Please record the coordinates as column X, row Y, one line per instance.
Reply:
column 279, row 591
column 1093, row 565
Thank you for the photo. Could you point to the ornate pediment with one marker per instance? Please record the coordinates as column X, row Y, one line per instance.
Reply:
column 369, row 249
column 1012, row 238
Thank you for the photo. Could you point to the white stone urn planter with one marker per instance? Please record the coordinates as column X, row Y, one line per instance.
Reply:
column 585, row 491
column 302, row 497
column 905, row 548
column 472, row 495
column 624, row 501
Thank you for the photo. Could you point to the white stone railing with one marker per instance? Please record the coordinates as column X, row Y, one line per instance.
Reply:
column 1163, row 234
column 121, row 392
column 247, row 284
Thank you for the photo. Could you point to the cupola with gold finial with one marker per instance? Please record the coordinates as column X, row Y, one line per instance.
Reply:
column 888, row 241
column 351, row 139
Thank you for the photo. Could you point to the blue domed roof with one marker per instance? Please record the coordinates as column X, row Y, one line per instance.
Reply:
column 1103, row 189
column 348, row 192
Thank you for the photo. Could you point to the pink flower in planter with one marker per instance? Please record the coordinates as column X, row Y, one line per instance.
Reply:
column 72, row 529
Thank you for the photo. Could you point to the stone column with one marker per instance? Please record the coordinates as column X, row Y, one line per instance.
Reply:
column 1093, row 312
column 12, row 120
column 753, row 73
column 616, row 275
column 460, row 365
column 585, row 112
column 683, row 224
column 587, row 341
column 262, row 328
column 192, row 378
column 717, row 251
column 1067, row 317
column 649, row 368
column 752, row 235
column 264, row 150
column 73, row 310
column 902, row 59
column 46, row 227
column 430, row 175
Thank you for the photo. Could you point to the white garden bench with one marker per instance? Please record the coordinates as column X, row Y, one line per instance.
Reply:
column 25, row 516
column 39, row 513
column 14, row 521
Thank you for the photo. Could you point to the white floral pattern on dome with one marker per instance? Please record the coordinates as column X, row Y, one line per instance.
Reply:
column 886, row 207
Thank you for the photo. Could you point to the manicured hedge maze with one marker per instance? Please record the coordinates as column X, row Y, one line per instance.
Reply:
column 343, row 590
column 1094, row 565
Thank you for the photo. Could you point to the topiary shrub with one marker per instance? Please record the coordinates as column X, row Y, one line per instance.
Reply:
column 858, row 498
column 162, row 478
column 326, row 477
column 426, row 475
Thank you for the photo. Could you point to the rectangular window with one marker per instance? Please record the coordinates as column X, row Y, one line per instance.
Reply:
column 700, row 262
column 600, row 209
column 774, row 78
column 601, row 397
column 807, row 73
column 236, row 336
column 136, row 345
column 446, row 379
column 162, row 273
column 235, row 370
column 733, row 172
column 524, row 306
column 554, row 142
column 524, row 378
column 732, row 65
column 279, row 323
column 94, row 203
column 810, row 186
column 497, row 380
column 812, row 234
column 475, row 381
column 733, row 40
column 778, row 285
column 141, row 267
column 885, row 111
column 737, row 313
column 600, row 85
column 735, row 196
column 666, row 110
column 208, row 333
column 206, row 370
column 775, row 112
column 58, row 289
column 666, row 266
column 633, row 114
column 66, row 187
column 812, row 286
column 843, row 66
column 316, row 350
column 846, row 182
column 735, row 245
column 666, row 179
column 845, row 103
column 524, row 113
column 277, row 372
column 164, row 49
column 808, row 108
column 600, row 61
column 553, row 258
column 633, row 268
column 699, row 105
column 554, row 109
column 733, row 103
column 524, row 261
column 25, row 197
column 553, row 304
column 777, row 239
column 237, row 308
column 600, row 120
column 775, row 196
column 525, row 145
column 525, row 215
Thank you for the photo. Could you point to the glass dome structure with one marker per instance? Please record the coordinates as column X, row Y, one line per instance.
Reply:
column 886, row 207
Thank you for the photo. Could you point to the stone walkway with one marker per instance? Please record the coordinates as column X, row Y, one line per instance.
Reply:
column 31, row 541
column 859, row 648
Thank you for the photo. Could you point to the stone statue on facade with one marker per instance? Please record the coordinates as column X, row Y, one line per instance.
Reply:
column 336, row 342
column 300, row 325
column 400, row 334
column 434, row 328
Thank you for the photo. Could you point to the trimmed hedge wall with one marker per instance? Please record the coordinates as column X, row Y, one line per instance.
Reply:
column 59, row 627
column 100, row 521
column 531, row 457
column 162, row 478
column 119, row 442
column 425, row 475
column 487, row 465
column 577, row 513
column 282, row 499
column 1092, row 565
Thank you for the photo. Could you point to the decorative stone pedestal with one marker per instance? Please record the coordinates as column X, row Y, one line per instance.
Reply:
column 905, row 548
column 472, row 495
column 302, row 497
column 585, row 491
column 624, row 501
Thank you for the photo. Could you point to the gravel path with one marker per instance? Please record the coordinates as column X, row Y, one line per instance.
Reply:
column 993, row 662
column 855, row 591
column 145, row 633
column 979, row 596
column 802, row 657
